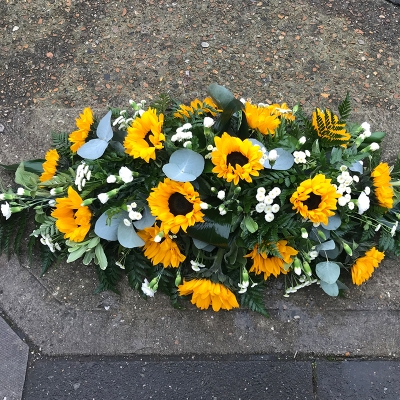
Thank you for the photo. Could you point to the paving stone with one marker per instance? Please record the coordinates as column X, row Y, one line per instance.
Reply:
column 108, row 379
column 367, row 380
column 13, row 361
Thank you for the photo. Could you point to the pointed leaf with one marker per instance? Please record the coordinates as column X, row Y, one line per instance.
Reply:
column 330, row 289
column 221, row 95
column 93, row 149
column 146, row 221
column 328, row 271
column 184, row 166
column 314, row 235
column 104, row 129
column 35, row 166
column 199, row 244
column 128, row 237
column 328, row 245
column 356, row 167
column 333, row 223
column 108, row 231
column 101, row 256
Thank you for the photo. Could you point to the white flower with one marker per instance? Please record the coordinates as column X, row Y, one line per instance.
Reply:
column 6, row 210
column 313, row 254
column 103, row 197
column 2, row 196
column 297, row 270
column 394, row 227
column 302, row 140
column 308, row 154
column 367, row 129
column 52, row 203
column 111, row 179
column 261, row 190
column 374, row 146
column 186, row 126
column 269, row 217
column 88, row 175
column 363, row 203
column 341, row 179
column 342, row 201
column 260, row 207
column 210, row 147
column 356, row 178
column 146, row 289
column 20, row 191
column 208, row 122
column 273, row 155
column 196, row 266
column 304, row 233
column 343, row 168
column 378, row 227
column 135, row 216
column 158, row 238
column 221, row 194
column 350, row 205
column 316, row 224
column 222, row 212
column 125, row 174
column 127, row 222
column 204, row 206
column 275, row 208
column 268, row 200
column 260, row 196
column 53, row 191
column 367, row 190
column 243, row 286
column 187, row 144
column 276, row 191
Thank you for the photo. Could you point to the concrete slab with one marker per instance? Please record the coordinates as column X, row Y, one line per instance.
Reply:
column 358, row 380
column 178, row 380
column 13, row 361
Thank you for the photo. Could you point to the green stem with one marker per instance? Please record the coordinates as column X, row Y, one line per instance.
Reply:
column 216, row 267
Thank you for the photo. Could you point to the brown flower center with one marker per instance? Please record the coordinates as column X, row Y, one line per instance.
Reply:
column 236, row 157
column 147, row 138
column 313, row 201
column 178, row 205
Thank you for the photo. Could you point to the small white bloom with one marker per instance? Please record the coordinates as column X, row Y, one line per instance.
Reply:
column 111, row 179
column 313, row 254
column 204, row 206
column 221, row 194
column 268, row 208
column 343, row 168
column 6, row 210
column 316, row 224
column 308, row 154
column 374, row 146
column 348, row 190
column 275, row 208
column 127, row 222
column 276, row 191
column 367, row 190
column 103, row 197
column 363, row 203
column 187, row 144
column 52, row 203
column 20, row 191
column 261, row 190
column 141, row 112
column 210, row 147
column 342, row 201
column 83, row 182
column 394, row 227
column 304, row 234
column 378, row 227
column 1, row 196
column 222, row 212
column 269, row 217
column 341, row 179
column 356, row 178
column 88, row 175
column 367, row 129
column 302, row 140
column 157, row 238
column 208, row 122
column 260, row 196
column 146, row 289
column 260, row 207
column 273, row 155
column 350, row 205
column 53, row 191
column 135, row 216
column 268, row 200
column 297, row 270
column 186, row 126
column 125, row 174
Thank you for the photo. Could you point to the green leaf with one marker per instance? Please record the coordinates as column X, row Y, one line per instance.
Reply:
column 34, row 166
column 331, row 289
column 328, row 271
column 253, row 299
column 76, row 254
column 184, row 165
column 345, row 108
column 251, row 225
column 101, row 256
column 26, row 179
column 221, row 95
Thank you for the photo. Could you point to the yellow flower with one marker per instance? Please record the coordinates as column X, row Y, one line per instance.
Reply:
column 328, row 127
column 383, row 189
column 206, row 293
column 264, row 263
column 144, row 136
column 166, row 252
column 84, row 122
column 50, row 165
column 363, row 268
column 235, row 159
column 282, row 111
column 315, row 199
column 264, row 119
column 72, row 219
column 207, row 106
column 176, row 205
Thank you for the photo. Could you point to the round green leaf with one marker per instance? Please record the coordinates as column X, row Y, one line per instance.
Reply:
column 184, row 165
column 328, row 271
column 330, row 289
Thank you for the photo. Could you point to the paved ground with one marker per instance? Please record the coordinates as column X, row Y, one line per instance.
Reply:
column 58, row 56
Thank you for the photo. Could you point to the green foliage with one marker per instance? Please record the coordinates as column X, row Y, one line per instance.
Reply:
column 108, row 278
column 253, row 299
column 162, row 103
column 61, row 142
column 137, row 268
column 48, row 259
column 345, row 108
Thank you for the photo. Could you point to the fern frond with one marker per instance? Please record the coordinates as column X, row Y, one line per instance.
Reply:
column 345, row 108
column 253, row 299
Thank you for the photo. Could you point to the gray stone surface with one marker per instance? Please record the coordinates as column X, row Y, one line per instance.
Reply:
column 13, row 362
column 366, row 380
column 178, row 380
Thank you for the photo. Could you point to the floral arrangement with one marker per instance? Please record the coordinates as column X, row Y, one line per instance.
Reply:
column 210, row 199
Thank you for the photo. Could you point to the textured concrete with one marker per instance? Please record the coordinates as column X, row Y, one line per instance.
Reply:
column 358, row 380
column 13, row 362
column 178, row 380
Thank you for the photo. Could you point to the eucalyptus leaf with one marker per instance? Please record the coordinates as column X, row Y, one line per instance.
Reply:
column 333, row 223
column 356, row 167
column 328, row 271
column 332, row 254
column 184, row 165
column 328, row 245
column 284, row 161
column 107, row 229
column 146, row 221
column 330, row 289
column 128, row 237
column 93, row 149
column 104, row 129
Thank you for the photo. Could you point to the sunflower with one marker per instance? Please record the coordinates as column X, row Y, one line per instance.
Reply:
column 207, row 106
column 235, row 159
column 144, row 136
column 84, row 122
column 50, row 165
column 328, row 127
column 165, row 252
column 72, row 219
column 263, row 119
column 263, row 263
column 206, row 293
column 383, row 189
column 176, row 205
column 315, row 199
column 363, row 268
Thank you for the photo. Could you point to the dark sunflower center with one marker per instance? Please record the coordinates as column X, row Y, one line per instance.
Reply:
column 313, row 201
column 178, row 205
column 236, row 157
column 147, row 138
